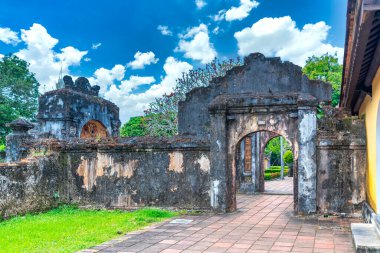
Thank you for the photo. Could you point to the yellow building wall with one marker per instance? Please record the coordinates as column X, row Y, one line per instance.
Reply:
column 369, row 109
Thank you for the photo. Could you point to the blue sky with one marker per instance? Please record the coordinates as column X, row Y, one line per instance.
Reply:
column 135, row 50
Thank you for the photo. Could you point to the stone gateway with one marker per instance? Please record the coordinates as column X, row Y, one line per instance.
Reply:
column 199, row 168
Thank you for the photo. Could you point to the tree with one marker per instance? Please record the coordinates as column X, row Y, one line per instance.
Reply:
column 136, row 126
column 163, row 111
column 326, row 68
column 18, row 92
column 288, row 157
column 273, row 150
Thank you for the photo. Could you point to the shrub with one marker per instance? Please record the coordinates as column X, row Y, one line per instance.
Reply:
column 275, row 172
column 271, row 175
column 288, row 157
column 273, row 169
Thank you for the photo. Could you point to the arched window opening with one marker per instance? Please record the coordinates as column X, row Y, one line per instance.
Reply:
column 93, row 129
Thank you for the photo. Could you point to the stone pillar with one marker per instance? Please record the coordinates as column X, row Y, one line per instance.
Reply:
column 248, row 183
column 220, row 192
column 256, row 160
column 17, row 142
column 239, row 165
column 307, row 167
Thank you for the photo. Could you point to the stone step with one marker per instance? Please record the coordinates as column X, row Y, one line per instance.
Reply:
column 366, row 238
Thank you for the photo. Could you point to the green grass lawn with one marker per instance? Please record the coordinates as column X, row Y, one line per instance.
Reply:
column 69, row 229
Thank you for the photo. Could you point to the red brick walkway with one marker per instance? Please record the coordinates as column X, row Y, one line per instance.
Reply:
column 278, row 186
column 264, row 223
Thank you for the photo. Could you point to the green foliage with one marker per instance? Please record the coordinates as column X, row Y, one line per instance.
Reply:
column 69, row 229
column 136, row 126
column 273, row 149
column 165, row 108
column 274, row 172
column 288, row 157
column 320, row 112
column 276, row 169
column 2, row 148
column 18, row 92
column 326, row 68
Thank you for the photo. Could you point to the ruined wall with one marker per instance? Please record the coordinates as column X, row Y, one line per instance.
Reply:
column 133, row 172
column 341, row 160
column 193, row 114
column 62, row 113
column 260, row 76
column 29, row 185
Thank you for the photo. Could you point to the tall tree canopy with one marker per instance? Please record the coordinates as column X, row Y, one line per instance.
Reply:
column 136, row 126
column 326, row 68
column 18, row 92
column 163, row 111
column 161, row 117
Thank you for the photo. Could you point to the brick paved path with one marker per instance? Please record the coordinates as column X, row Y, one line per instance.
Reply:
column 264, row 223
column 278, row 186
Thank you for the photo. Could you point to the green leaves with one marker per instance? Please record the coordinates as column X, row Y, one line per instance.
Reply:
column 18, row 92
column 320, row 112
column 136, row 126
column 163, row 111
column 288, row 157
column 326, row 68
column 273, row 149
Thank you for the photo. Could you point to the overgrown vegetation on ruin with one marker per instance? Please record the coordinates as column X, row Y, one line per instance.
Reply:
column 69, row 229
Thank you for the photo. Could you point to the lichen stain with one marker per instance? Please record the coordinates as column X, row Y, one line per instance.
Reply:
column 92, row 168
column 204, row 163
column 124, row 170
column 176, row 162
column 87, row 170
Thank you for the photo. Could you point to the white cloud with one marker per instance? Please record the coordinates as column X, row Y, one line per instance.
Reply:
column 106, row 77
column 241, row 12
column 280, row 37
column 1, row 56
column 71, row 56
column 164, row 30
column 220, row 16
column 87, row 59
column 142, row 60
column 44, row 61
column 200, row 4
column 216, row 30
column 96, row 45
column 196, row 44
column 8, row 36
column 134, row 104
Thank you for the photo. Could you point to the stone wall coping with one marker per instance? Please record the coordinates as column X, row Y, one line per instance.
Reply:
column 131, row 144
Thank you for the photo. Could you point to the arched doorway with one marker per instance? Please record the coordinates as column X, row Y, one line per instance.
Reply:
column 93, row 129
column 264, row 164
column 233, row 117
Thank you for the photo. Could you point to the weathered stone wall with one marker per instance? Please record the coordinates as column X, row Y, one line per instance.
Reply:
column 62, row 113
column 262, row 76
column 341, row 163
column 132, row 172
column 29, row 185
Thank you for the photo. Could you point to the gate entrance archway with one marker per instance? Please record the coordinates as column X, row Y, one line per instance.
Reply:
column 265, row 94
column 289, row 116
column 258, row 164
